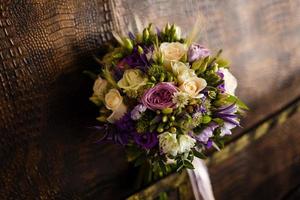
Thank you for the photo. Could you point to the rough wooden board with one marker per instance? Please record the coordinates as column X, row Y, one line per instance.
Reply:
column 177, row 187
column 267, row 169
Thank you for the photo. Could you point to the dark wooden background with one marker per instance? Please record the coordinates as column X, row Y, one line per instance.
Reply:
column 47, row 150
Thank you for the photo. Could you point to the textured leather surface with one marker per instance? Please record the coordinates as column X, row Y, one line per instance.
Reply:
column 46, row 149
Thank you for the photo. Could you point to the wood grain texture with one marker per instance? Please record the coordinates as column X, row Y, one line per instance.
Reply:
column 267, row 169
column 46, row 149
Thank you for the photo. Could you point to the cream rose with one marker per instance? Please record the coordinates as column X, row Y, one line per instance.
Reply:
column 193, row 86
column 99, row 88
column 230, row 82
column 132, row 79
column 114, row 102
column 171, row 52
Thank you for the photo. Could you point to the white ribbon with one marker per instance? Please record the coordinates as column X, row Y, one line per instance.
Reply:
column 200, row 181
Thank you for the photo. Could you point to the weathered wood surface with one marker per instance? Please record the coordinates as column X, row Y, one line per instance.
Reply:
column 46, row 149
column 267, row 169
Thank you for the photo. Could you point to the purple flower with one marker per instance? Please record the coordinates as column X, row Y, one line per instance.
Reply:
column 206, row 133
column 209, row 144
column 137, row 111
column 111, row 133
column 131, row 35
column 159, row 97
column 146, row 140
column 221, row 87
column 228, row 114
column 125, row 125
column 226, row 129
column 197, row 51
column 137, row 59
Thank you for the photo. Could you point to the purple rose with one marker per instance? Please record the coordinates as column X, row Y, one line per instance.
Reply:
column 196, row 51
column 159, row 97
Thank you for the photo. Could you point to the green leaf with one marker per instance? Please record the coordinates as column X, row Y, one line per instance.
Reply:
column 179, row 168
column 133, row 152
column 162, row 167
column 222, row 63
column 213, row 59
column 199, row 154
column 234, row 99
column 90, row 74
column 140, row 160
column 188, row 164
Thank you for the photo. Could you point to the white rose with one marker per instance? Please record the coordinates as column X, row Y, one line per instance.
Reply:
column 187, row 74
column 99, row 88
column 186, row 143
column 168, row 143
column 193, row 86
column 230, row 82
column 114, row 102
column 171, row 52
column 178, row 68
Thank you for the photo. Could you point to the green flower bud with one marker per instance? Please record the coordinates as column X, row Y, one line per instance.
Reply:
column 212, row 94
column 215, row 67
column 101, row 119
column 162, row 77
column 139, row 38
column 140, row 49
column 173, row 130
column 160, row 59
column 167, row 111
column 172, row 118
column 160, row 128
column 153, row 79
column 146, row 35
column 169, row 77
column 128, row 44
column 206, row 119
column 118, row 55
column 167, row 28
column 165, row 118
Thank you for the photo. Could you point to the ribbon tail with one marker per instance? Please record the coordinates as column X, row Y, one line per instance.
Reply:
column 200, row 180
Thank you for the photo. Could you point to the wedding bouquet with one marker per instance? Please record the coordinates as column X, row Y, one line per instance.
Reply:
column 165, row 98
